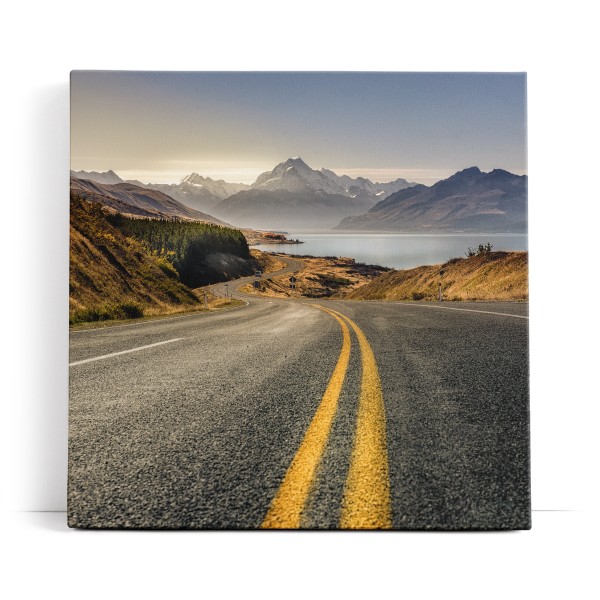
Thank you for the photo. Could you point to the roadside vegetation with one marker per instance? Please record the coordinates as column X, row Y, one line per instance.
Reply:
column 201, row 253
column 113, row 276
column 123, row 269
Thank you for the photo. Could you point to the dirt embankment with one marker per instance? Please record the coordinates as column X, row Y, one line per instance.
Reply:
column 490, row 276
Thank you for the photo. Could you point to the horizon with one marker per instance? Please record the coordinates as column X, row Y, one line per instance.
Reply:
column 373, row 174
column 161, row 126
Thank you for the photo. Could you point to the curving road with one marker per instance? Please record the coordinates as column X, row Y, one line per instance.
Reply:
column 303, row 414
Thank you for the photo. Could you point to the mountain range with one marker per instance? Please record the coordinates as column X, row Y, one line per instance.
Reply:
column 470, row 200
column 195, row 191
column 295, row 196
column 130, row 199
column 200, row 193
column 292, row 195
column 294, row 175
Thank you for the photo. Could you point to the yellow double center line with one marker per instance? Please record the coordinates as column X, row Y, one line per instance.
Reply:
column 366, row 503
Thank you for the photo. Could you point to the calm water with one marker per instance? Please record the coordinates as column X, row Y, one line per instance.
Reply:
column 396, row 250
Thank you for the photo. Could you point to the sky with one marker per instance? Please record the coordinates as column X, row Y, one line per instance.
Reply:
column 158, row 127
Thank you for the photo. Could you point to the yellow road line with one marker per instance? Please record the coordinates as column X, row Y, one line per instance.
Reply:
column 286, row 508
column 366, row 503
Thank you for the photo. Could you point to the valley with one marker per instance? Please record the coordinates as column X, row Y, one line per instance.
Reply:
column 115, row 251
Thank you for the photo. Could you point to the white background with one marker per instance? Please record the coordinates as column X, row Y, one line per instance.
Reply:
column 556, row 43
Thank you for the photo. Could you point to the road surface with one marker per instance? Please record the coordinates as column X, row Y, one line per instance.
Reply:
column 319, row 415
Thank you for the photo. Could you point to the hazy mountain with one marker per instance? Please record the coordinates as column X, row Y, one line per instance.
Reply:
column 200, row 193
column 282, row 210
column 293, row 195
column 469, row 200
column 294, row 175
column 109, row 177
column 219, row 188
column 131, row 199
column 195, row 191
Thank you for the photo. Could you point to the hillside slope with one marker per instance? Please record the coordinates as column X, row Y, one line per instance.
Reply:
column 130, row 199
column 491, row 276
column 113, row 276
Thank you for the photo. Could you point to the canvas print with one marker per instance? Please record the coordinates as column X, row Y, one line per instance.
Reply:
column 298, row 300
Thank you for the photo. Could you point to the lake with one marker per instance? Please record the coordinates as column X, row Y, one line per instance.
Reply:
column 395, row 250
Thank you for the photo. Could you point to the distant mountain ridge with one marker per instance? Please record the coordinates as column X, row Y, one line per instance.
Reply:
column 220, row 188
column 109, row 177
column 469, row 200
column 292, row 195
column 200, row 193
column 130, row 199
column 195, row 191
column 293, row 175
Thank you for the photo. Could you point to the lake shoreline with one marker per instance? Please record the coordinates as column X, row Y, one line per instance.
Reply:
column 395, row 250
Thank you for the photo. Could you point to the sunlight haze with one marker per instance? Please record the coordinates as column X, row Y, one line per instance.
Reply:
column 161, row 126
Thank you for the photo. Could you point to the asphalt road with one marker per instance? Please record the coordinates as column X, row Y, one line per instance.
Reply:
column 272, row 415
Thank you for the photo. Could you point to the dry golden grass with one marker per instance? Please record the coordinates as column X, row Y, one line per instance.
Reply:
column 319, row 278
column 493, row 276
column 268, row 262
column 113, row 277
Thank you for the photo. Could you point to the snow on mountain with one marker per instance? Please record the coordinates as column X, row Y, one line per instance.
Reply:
column 294, row 175
column 218, row 188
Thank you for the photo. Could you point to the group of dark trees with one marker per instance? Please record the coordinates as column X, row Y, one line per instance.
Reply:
column 186, row 244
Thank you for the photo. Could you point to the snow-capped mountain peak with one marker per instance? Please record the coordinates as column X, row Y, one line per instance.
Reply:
column 294, row 175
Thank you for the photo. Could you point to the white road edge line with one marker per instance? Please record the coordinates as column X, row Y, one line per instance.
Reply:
column 485, row 312
column 87, row 360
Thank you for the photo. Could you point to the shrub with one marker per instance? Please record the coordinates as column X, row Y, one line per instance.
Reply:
column 481, row 249
column 333, row 280
column 106, row 312
column 129, row 310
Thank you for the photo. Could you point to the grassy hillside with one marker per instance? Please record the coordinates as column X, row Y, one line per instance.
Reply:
column 488, row 276
column 113, row 276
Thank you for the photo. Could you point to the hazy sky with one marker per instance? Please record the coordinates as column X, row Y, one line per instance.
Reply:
column 160, row 126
